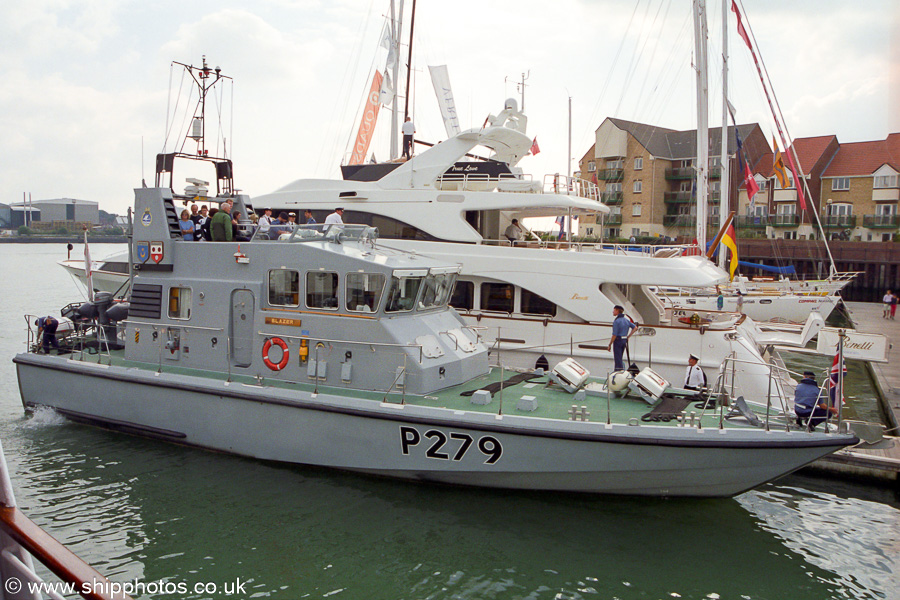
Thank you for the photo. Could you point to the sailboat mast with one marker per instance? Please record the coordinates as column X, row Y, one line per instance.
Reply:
column 724, row 186
column 412, row 28
column 702, row 167
column 396, row 28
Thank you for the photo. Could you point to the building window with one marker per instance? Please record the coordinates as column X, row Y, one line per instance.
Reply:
column 497, row 297
column 762, row 183
column 839, row 210
column 322, row 290
column 886, row 181
column 592, row 166
column 790, row 235
column 284, row 287
column 180, row 303
column 788, row 208
column 615, row 164
column 364, row 291
column 614, row 187
column 636, row 210
column 637, row 186
column 886, row 210
column 638, row 163
column 840, row 184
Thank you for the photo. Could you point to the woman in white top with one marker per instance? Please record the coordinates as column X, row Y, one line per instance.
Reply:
column 887, row 301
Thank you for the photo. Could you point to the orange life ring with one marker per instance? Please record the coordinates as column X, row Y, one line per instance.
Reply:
column 285, row 354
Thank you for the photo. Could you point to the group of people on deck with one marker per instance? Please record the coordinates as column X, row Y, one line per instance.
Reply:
column 224, row 224
column 811, row 405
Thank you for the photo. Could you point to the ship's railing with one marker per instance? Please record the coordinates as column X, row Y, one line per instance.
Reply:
column 319, row 232
column 524, row 183
column 645, row 250
column 571, row 186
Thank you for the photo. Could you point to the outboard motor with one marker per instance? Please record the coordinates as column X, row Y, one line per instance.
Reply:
column 102, row 302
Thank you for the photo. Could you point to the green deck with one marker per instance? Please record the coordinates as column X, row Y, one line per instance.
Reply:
column 552, row 401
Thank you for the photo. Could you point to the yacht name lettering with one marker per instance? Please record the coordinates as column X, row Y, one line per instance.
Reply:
column 454, row 446
column 575, row 296
column 282, row 321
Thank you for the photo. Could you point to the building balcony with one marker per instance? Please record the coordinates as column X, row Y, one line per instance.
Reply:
column 679, row 221
column 751, row 221
column 680, row 173
column 610, row 174
column 838, row 221
column 881, row 221
column 677, row 197
column 612, row 219
column 611, row 198
column 784, row 220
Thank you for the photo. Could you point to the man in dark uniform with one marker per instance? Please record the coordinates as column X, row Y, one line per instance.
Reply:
column 622, row 329
column 47, row 327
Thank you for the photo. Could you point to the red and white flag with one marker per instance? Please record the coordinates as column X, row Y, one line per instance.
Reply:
column 740, row 25
column 750, row 182
column 835, row 389
column 534, row 147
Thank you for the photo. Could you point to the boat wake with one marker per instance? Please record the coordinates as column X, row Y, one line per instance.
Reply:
column 44, row 416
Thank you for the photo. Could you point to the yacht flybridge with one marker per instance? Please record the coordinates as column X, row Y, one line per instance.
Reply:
column 324, row 345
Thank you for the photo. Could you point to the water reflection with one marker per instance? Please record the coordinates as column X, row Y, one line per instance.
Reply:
column 153, row 511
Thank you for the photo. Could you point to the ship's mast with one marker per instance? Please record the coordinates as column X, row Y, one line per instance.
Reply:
column 702, row 166
column 724, row 176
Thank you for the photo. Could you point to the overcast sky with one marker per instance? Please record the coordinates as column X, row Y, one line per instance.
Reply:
column 84, row 84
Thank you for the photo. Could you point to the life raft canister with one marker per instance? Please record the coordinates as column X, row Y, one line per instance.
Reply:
column 285, row 354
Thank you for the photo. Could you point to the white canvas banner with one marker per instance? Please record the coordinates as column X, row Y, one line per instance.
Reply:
column 440, row 78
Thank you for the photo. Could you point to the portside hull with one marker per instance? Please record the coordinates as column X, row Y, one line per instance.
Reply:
column 775, row 308
column 402, row 441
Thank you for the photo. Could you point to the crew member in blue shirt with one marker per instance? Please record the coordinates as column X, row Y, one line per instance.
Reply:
column 622, row 329
column 47, row 333
column 807, row 403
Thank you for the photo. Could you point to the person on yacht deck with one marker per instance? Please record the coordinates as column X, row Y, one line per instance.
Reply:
column 408, row 130
column 335, row 218
column 514, row 232
column 187, row 226
column 310, row 220
column 265, row 220
column 622, row 329
column 694, row 378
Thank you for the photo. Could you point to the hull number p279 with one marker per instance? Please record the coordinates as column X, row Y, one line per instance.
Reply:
column 454, row 446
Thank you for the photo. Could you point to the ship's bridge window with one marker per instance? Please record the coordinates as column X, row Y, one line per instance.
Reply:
column 402, row 294
column 364, row 291
column 284, row 287
column 180, row 303
column 463, row 297
column 322, row 290
column 436, row 290
column 532, row 304
column 498, row 297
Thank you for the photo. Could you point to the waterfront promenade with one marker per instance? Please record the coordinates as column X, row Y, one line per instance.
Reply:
column 883, row 463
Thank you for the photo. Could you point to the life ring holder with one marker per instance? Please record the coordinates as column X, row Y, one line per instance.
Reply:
column 285, row 353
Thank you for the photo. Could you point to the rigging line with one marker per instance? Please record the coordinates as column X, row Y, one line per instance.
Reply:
column 188, row 118
column 655, row 47
column 168, row 104
column 609, row 74
column 640, row 44
column 658, row 99
column 174, row 112
column 358, row 112
column 813, row 209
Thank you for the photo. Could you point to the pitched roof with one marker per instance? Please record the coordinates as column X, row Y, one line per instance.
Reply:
column 679, row 145
column 811, row 150
column 864, row 158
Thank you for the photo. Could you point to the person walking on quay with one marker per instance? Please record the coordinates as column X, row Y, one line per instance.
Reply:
column 894, row 299
column 887, row 301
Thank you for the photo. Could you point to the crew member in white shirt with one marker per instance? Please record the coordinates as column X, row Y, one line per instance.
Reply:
column 335, row 217
column 693, row 377
column 266, row 220
column 408, row 130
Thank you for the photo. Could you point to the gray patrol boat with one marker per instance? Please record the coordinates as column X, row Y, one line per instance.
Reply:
column 316, row 345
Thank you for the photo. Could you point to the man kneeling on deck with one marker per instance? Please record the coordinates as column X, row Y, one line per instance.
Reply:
column 808, row 405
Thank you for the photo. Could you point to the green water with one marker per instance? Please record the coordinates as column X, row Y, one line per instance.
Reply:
column 144, row 510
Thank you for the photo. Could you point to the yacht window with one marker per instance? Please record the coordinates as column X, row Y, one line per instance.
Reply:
column 497, row 296
column 180, row 303
column 532, row 304
column 322, row 290
column 364, row 291
column 284, row 287
column 388, row 228
column 402, row 294
column 436, row 290
column 463, row 297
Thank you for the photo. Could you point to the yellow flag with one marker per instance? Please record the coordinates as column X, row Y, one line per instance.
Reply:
column 780, row 171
